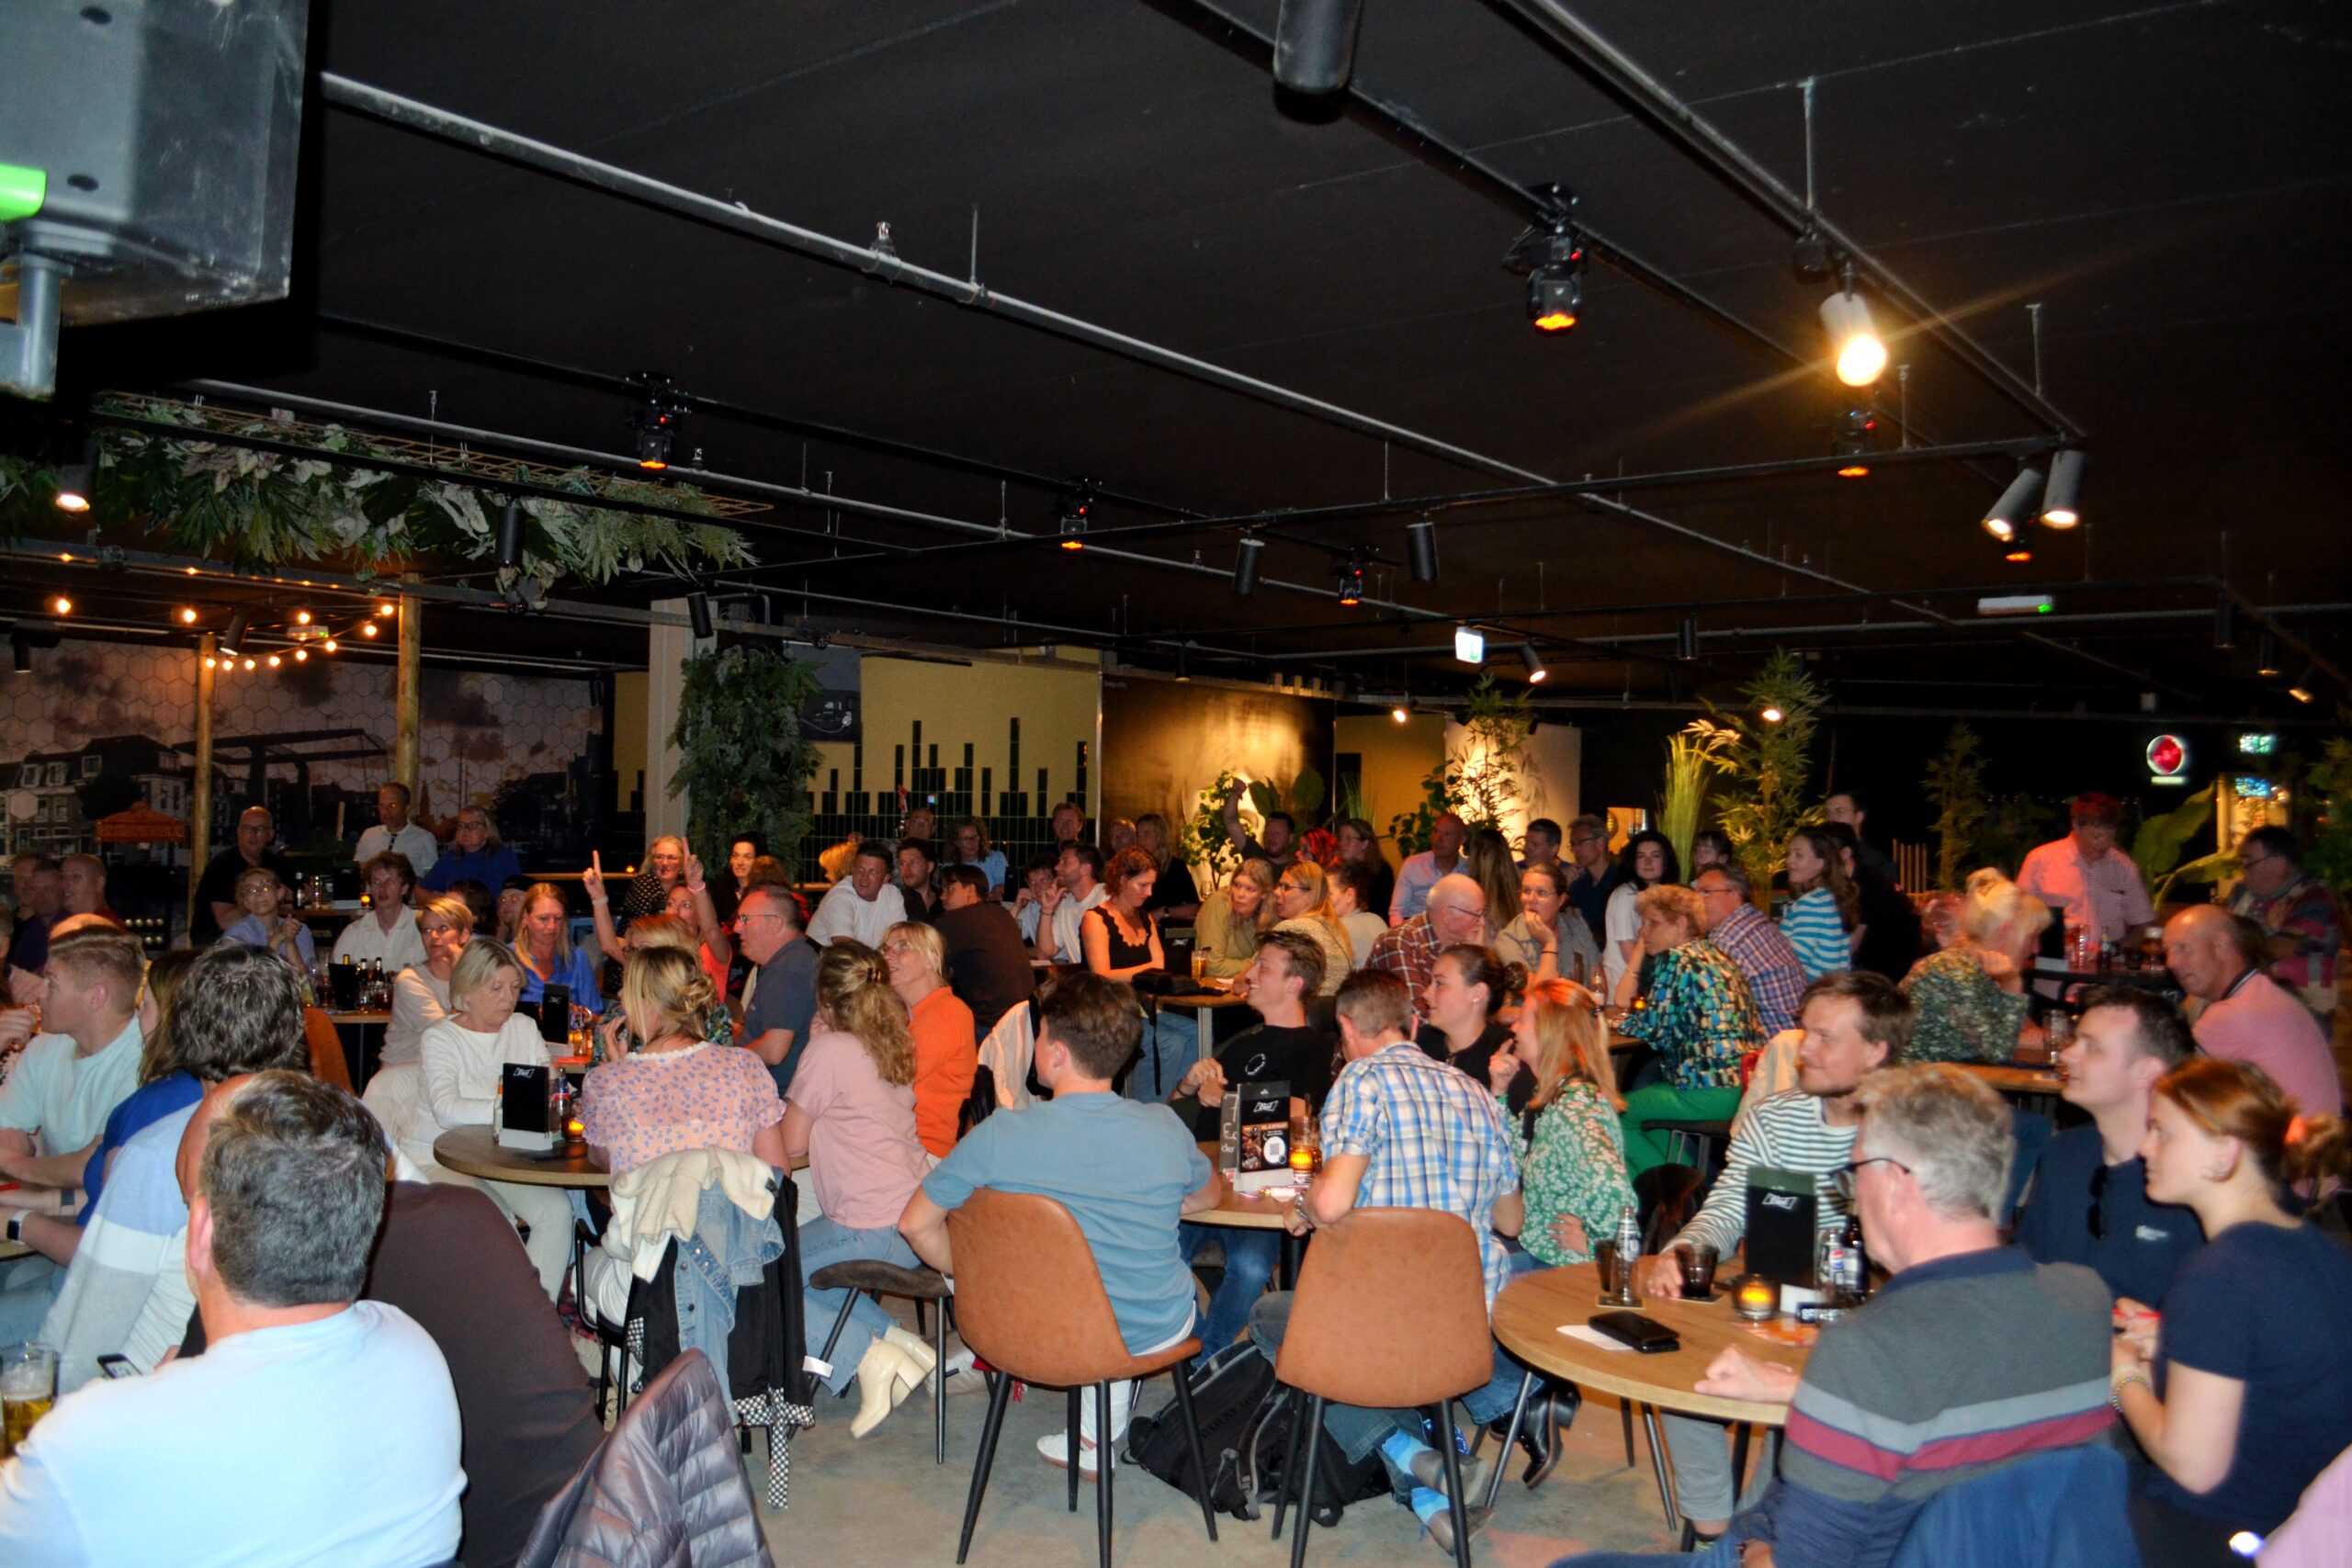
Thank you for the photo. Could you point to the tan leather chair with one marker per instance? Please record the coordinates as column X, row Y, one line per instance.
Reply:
column 1390, row 1315
column 327, row 1063
column 1030, row 1302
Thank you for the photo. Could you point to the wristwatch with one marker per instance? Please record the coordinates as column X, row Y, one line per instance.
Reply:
column 16, row 1225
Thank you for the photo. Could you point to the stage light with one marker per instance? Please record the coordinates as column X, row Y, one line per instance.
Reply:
column 1401, row 713
column 1853, row 442
column 2301, row 690
column 509, row 535
column 2270, row 667
column 236, row 636
column 1854, row 342
column 1551, row 254
column 1421, row 548
column 1072, row 510
column 2016, row 503
column 62, row 605
column 1351, row 583
column 1772, row 714
column 1536, row 674
column 2062, row 504
column 1246, row 551
column 187, row 615
column 2225, row 622
column 698, row 611
column 1469, row 644
column 1555, row 299
column 1686, row 640
column 1315, row 44
column 77, row 481
column 655, row 408
column 301, row 617
column 366, row 628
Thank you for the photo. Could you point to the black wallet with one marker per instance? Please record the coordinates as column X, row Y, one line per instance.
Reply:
column 1646, row 1335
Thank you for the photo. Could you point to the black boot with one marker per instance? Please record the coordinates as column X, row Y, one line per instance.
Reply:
column 1551, row 1410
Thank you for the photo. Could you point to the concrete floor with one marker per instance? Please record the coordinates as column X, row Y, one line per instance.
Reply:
column 883, row 1500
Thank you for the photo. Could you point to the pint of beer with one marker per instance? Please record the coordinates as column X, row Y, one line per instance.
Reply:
column 27, row 1390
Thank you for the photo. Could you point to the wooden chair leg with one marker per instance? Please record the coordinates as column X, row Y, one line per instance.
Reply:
column 1453, row 1502
column 1192, row 1442
column 1304, row 1494
column 1102, row 1469
column 999, row 1395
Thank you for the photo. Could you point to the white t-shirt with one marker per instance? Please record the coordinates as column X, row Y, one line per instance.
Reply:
column 1620, row 923
column 332, row 1443
column 64, row 1100
column 413, row 841
column 1067, row 914
column 365, row 941
column 841, row 913
column 461, row 1074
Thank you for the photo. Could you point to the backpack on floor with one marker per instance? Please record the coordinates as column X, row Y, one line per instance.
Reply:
column 1246, row 1420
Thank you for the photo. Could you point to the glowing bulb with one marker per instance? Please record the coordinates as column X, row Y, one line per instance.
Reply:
column 387, row 610
column 1861, row 354
column 249, row 665
column 2001, row 528
column 1772, row 714
column 366, row 628
column 301, row 617
column 189, row 570
column 62, row 605
column 2018, row 557
column 1399, row 713
column 1556, row 322
column 301, row 656
column 273, row 661
column 1855, row 471
column 187, row 617
column 328, row 644
column 210, row 661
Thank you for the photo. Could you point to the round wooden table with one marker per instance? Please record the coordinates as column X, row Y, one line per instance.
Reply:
column 470, row 1151
column 1238, row 1212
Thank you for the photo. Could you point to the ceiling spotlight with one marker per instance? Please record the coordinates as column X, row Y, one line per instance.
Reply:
column 187, row 614
column 2270, row 667
column 77, row 481
column 301, row 656
column 388, row 611
column 1072, row 510
column 2016, row 503
column 1245, row 552
column 1536, row 674
column 301, row 617
column 328, row 646
column 1854, row 342
column 2225, row 622
column 1420, row 548
column 1401, row 713
column 1551, row 252
column 2061, row 502
column 1315, row 44
column 1853, row 442
column 366, row 628
column 655, row 408
column 1772, row 714
column 273, row 661
column 698, row 611
column 236, row 636
column 1469, row 644
column 1184, row 661
column 510, row 536
column 1352, row 582
column 2301, row 690
column 2018, row 557
column 1686, row 640
column 62, row 605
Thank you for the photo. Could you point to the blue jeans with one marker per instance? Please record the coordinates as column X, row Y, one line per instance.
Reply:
column 1723, row 1553
column 1249, row 1260
column 823, row 1242
column 727, row 1251
column 1172, row 1043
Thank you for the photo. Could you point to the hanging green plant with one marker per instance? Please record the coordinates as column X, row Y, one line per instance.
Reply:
column 1954, row 784
column 743, row 763
column 232, row 503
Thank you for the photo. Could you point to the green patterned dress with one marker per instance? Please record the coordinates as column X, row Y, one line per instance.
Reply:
column 1962, row 1013
column 1574, row 1165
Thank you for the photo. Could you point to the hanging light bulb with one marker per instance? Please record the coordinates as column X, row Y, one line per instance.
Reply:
column 1401, row 713
column 249, row 665
column 301, row 617
column 366, row 628
column 301, row 656
column 62, row 605
column 1854, row 342
column 275, row 661
column 187, row 615
column 328, row 644
column 388, row 611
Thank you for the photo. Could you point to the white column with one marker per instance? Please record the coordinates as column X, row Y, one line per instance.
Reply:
column 667, row 650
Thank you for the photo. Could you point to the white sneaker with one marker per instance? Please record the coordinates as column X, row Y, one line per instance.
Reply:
column 1053, row 1448
column 960, row 1375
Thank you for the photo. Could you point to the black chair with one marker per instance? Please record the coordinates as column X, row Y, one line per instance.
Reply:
column 873, row 1276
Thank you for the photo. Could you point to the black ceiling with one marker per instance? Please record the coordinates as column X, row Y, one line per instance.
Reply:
column 2169, row 182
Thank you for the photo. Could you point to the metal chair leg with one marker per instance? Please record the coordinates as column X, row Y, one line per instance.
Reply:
column 1192, row 1442
column 1305, row 1483
column 1510, row 1439
column 1290, row 1455
column 999, row 1395
column 939, row 1385
column 1626, row 1414
column 1659, row 1462
column 1076, row 1446
column 1454, row 1503
column 840, row 1321
column 1103, row 1466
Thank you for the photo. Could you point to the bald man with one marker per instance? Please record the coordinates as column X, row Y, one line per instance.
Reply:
column 2248, row 1017
column 1455, row 913
column 216, row 892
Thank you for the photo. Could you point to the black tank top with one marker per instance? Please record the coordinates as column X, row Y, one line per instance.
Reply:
column 1124, row 954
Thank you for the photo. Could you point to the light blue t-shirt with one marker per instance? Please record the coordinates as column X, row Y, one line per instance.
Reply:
column 254, row 932
column 66, row 1099
column 1123, row 1170
column 992, row 866
column 244, row 1455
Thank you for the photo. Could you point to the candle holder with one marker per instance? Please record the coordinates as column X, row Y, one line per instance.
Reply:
column 575, row 1136
column 1755, row 1298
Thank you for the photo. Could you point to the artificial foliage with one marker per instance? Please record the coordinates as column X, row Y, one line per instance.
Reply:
column 743, row 763
column 1764, row 801
column 1483, row 777
column 1694, row 758
column 1954, row 783
column 2328, row 802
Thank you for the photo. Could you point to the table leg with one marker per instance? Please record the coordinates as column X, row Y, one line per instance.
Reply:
column 1660, row 1463
column 1203, row 1018
column 1738, row 1463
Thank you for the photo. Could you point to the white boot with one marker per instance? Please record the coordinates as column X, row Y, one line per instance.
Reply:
column 886, row 1376
column 921, row 1354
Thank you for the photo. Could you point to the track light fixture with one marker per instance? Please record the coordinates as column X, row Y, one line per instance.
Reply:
column 1073, row 509
column 1420, row 548
column 1351, row 582
column 2301, row 690
column 1184, row 661
column 1315, row 44
column 1536, row 674
column 2061, row 502
column 1855, row 346
column 698, row 613
column 77, row 481
column 655, row 408
column 1551, row 252
column 234, row 637
column 2016, row 503
column 509, row 535
column 2268, row 666
column 1246, row 551
column 1686, row 640
column 2225, row 622
column 1856, row 426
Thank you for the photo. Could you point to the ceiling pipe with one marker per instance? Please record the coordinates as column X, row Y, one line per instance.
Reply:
column 1851, row 710
column 1656, row 105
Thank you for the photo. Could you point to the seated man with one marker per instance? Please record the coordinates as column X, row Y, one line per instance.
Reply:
column 988, row 962
column 1282, row 1047
column 1077, row 887
column 55, row 1103
column 1932, row 1381
column 386, row 932
column 2248, row 1017
column 1455, row 913
column 1403, row 1131
column 863, row 907
column 1125, row 1171
column 288, row 1194
column 237, row 1011
column 1854, row 1023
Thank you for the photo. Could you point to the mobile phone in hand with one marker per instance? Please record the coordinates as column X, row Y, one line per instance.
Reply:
column 116, row 1367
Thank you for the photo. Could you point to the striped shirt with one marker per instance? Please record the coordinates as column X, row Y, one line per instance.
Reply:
column 1816, row 931
column 1785, row 1132
column 1431, row 1138
column 1775, row 976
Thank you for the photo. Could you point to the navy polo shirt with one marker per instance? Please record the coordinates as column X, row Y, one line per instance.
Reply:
column 2140, row 1246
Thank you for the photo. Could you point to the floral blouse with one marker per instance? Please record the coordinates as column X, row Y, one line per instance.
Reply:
column 1574, row 1164
column 1961, row 1012
column 657, row 1102
column 1700, row 1015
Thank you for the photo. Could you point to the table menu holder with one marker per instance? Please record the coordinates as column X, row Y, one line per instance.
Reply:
column 1261, row 1113
column 1782, row 1217
column 523, row 1107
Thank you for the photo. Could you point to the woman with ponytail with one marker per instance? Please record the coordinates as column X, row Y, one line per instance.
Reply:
column 852, row 1112
column 2242, row 1392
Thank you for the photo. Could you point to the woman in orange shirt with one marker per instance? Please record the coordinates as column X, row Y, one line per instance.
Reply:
column 947, row 1052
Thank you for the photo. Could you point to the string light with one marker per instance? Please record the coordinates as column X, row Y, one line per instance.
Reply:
column 188, row 617
column 273, row 661
column 249, row 665
column 328, row 644
column 1772, row 714
column 386, row 611
column 301, row 656
column 301, row 617
column 1401, row 713
column 62, row 605
column 366, row 628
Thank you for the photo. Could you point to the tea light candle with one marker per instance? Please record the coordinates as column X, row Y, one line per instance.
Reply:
column 1755, row 1298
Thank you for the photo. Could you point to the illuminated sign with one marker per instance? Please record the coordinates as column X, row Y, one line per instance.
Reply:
column 2169, row 759
column 2259, row 743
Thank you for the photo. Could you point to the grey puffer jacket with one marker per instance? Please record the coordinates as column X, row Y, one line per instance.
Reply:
column 666, row 1489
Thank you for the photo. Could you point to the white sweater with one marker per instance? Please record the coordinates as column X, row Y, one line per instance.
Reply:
column 461, row 1071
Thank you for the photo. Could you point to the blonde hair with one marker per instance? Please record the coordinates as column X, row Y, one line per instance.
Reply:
column 854, row 989
column 1672, row 901
column 1994, row 905
column 157, row 1058
column 453, row 910
column 1496, row 875
column 256, row 873
column 663, row 931
column 1261, row 875
column 1572, row 1042
column 480, row 964
column 536, row 892
column 664, row 986
column 1314, row 880
column 925, row 939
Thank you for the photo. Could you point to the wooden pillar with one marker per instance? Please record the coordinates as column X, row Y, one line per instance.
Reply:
column 199, row 810
column 407, row 696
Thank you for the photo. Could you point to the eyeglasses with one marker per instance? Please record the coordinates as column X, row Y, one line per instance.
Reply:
column 1717, row 892
column 1580, row 843
column 1843, row 1180
column 2249, row 864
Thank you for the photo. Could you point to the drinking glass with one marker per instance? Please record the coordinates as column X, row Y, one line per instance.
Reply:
column 1613, row 1273
column 27, row 1390
column 1697, row 1262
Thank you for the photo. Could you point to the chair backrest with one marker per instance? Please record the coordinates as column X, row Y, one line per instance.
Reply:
column 2066, row 1508
column 327, row 1063
column 1391, row 1311
column 1029, row 1297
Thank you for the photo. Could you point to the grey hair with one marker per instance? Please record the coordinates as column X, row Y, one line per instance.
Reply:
column 1956, row 1136
column 1731, row 870
column 238, row 1010
column 295, row 1172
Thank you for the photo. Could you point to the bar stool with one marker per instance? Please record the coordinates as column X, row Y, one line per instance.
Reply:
column 1030, row 1301
column 1390, row 1315
column 874, row 1277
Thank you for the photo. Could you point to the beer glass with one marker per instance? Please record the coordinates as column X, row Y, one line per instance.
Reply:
column 27, row 1390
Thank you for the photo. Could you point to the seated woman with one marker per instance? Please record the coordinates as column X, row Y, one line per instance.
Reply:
column 1360, row 846
column 969, row 844
column 1571, row 1155
column 1549, row 939
column 727, row 887
column 421, row 992
column 852, row 1112
column 1232, row 919
column 1302, row 904
column 1700, row 1017
column 547, row 953
column 688, row 903
column 463, row 1059
column 385, row 932
column 1488, row 860
column 1121, row 941
column 616, row 1036
column 2242, row 1392
column 670, row 1088
column 262, row 926
column 1174, row 897
column 1969, row 1000
column 1351, row 886
column 1820, row 923
column 508, row 925
column 1468, row 987
column 648, row 892
column 1647, row 860
column 947, row 1046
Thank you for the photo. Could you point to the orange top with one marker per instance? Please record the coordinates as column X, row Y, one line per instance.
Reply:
column 947, row 1057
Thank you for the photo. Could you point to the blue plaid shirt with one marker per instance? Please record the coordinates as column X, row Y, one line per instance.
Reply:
column 1432, row 1138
